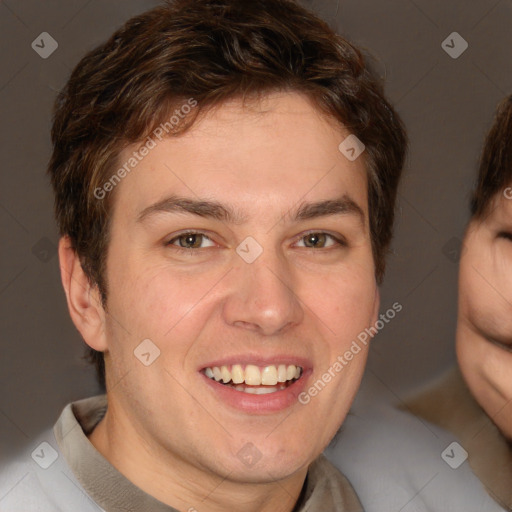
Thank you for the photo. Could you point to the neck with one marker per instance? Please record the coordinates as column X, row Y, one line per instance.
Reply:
column 178, row 483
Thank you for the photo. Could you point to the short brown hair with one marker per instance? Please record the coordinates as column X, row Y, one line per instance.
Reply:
column 212, row 51
column 495, row 171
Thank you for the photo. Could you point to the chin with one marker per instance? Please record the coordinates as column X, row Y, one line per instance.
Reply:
column 273, row 462
column 270, row 472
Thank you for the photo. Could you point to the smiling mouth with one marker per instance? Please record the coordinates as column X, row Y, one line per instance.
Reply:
column 255, row 379
column 503, row 346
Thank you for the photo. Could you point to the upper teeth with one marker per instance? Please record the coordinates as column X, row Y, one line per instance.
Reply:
column 254, row 375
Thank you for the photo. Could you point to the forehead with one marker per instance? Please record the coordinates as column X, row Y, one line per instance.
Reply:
column 277, row 150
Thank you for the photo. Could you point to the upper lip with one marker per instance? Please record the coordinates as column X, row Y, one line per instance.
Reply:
column 258, row 360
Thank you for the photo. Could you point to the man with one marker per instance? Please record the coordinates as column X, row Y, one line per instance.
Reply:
column 458, row 456
column 225, row 175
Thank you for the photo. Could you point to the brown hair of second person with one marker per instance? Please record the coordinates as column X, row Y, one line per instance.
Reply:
column 495, row 172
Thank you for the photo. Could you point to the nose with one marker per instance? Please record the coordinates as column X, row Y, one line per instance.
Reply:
column 263, row 296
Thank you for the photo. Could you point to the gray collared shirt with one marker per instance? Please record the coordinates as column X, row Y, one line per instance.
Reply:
column 398, row 461
column 63, row 471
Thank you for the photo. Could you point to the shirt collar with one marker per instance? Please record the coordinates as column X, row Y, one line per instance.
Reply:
column 325, row 487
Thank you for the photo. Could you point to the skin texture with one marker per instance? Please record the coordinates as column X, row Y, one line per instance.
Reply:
column 484, row 330
column 165, row 429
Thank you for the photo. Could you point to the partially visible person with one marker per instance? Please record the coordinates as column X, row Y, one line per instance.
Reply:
column 407, row 461
column 475, row 403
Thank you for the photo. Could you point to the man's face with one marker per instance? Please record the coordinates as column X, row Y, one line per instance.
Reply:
column 484, row 333
column 202, row 300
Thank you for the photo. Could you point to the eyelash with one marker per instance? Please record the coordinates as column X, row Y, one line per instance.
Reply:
column 505, row 235
column 340, row 242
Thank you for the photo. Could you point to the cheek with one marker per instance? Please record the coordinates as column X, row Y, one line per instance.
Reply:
column 485, row 295
column 155, row 299
column 344, row 305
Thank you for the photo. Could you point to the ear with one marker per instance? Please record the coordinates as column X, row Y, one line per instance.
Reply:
column 83, row 298
column 376, row 306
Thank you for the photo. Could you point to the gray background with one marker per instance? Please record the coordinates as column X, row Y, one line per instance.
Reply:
column 447, row 105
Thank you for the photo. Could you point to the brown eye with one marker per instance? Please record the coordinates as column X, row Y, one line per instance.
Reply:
column 191, row 241
column 315, row 240
column 319, row 241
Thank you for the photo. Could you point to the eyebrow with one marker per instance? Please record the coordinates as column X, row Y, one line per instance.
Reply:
column 199, row 207
column 343, row 205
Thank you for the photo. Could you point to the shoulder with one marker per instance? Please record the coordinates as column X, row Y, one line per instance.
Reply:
column 398, row 461
column 39, row 480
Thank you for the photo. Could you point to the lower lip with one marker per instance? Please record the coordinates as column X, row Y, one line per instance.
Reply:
column 259, row 404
